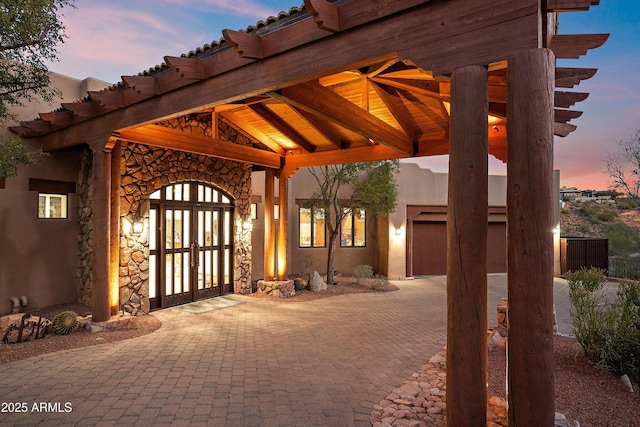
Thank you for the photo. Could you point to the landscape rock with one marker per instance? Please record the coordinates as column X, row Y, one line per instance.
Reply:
column 26, row 328
column 316, row 284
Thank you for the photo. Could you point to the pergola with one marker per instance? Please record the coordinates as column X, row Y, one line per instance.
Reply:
column 358, row 80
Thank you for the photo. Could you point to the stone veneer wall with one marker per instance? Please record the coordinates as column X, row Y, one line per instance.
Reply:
column 85, row 226
column 146, row 169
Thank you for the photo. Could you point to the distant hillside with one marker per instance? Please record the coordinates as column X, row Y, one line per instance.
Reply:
column 617, row 222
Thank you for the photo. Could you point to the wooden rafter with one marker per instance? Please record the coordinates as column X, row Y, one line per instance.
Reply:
column 563, row 116
column 247, row 45
column 570, row 5
column 159, row 136
column 58, row 118
column 428, row 88
column 187, row 68
column 567, row 99
column 563, row 129
column 283, row 127
column 322, row 127
column 570, row 77
column 253, row 133
column 83, row 110
column 575, row 45
column 144, row 85
column 391, row 99
column 316, row 99
column 325, row 14
column 109, row 99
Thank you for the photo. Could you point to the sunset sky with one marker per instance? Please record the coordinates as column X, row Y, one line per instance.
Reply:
column 110, row 39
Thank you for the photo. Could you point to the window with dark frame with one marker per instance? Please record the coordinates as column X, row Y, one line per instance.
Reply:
column 311, row 228
column 353, row 228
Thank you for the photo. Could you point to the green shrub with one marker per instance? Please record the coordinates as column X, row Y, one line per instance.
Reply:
column 379, row 281
column 607, row 329
column 623, row 240
column 363, row 271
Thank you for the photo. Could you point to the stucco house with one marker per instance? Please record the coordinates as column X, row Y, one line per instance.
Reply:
column 163, row 163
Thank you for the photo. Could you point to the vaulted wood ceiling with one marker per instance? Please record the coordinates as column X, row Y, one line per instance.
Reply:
column 382, row 107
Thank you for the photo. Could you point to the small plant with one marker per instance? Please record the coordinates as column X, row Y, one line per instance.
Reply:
column 607, row 329
column 64, row 323
column 379, row 281
column 362, row 272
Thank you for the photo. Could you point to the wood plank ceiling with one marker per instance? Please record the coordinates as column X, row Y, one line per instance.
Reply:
column 388, row 108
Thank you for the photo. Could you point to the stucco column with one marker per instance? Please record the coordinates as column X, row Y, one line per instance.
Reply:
column 101, row 218
column 269, row 236
column 283, row 198
column 530, row 201
column 467, row 217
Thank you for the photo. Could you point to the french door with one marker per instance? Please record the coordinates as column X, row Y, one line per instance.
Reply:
column 190, row 244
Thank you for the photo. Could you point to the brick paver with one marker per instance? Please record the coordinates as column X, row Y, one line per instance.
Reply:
column 318, row 363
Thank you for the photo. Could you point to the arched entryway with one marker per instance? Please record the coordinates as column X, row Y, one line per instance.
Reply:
column 190, row 244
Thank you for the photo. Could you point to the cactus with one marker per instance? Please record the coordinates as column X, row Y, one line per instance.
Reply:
column 64, row 323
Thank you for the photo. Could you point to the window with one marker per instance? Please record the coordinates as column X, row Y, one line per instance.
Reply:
column 312, row 234
column 353, row 228
column 52, row 205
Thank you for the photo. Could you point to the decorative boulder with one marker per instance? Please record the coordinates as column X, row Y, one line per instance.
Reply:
column 316, row 284
column 26, row 328
column 299, row 284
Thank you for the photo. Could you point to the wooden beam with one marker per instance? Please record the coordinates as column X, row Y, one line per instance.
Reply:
column 254, row 133
column 335, row 157
column 575, row 45
column 283, row 127
column 114, row 229
column 570, row 5
column 393, row 101
column 101, row 219
column 324, row 128
column 467, row 228
column 283, row 206
column 568, row 99
column 428, row 88
column 159, row 136
column 325, row 14
column 530, row 206
column 247, row 45
column 316, row 99
column 570, row 77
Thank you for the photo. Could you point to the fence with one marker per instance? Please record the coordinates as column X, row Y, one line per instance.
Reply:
column 581, row 252
column 624, row 268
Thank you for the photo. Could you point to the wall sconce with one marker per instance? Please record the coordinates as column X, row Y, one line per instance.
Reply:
column 398, row 231
column 137, row 226
column 254, row 211
column 247, row 225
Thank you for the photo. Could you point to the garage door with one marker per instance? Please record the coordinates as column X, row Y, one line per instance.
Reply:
column 429, row 250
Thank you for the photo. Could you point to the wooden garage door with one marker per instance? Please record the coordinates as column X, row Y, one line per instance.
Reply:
column 429, row 250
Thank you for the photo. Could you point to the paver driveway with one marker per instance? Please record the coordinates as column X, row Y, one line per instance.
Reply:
column 318, row 363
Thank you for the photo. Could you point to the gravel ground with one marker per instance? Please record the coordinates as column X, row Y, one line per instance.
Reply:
column 594, row 398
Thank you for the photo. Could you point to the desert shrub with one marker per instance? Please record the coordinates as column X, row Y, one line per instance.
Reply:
column 626, row 202
column 623, row 240
column 363, row 271
column 379, row 281
column 608, row 330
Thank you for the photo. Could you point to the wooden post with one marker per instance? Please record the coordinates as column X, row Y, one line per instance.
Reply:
column 467, row 224
column 269, row 237
column 114, row 230
column 530, row 203
column 101, row 217
column 283, row 194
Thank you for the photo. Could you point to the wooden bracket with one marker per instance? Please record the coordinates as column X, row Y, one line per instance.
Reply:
column 575, row 45
column 247, row 45
column 570, row 5
column 83, row 110
column 188, row 68
column 326, row 15
column 144, row 85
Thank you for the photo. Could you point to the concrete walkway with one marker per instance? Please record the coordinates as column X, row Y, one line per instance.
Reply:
column 319, row 363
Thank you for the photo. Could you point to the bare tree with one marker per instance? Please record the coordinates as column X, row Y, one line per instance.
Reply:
column 623, row 167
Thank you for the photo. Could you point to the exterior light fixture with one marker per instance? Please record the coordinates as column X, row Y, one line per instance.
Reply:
column 398, row 231
column 137, row 226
